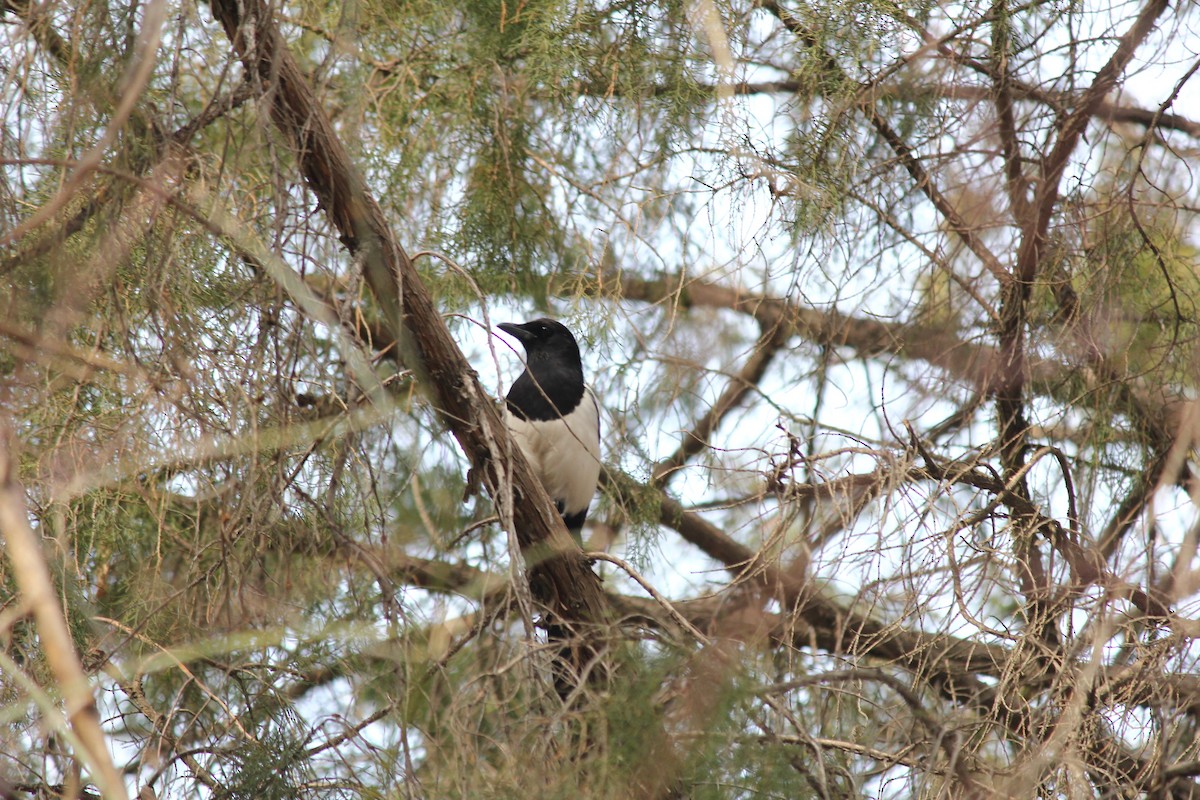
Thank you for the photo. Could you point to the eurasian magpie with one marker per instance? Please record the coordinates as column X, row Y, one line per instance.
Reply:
column 555, row 419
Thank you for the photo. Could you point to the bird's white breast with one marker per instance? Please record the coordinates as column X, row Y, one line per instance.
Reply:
column 565, row 452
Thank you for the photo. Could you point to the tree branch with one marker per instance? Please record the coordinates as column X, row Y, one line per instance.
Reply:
column 696, row 439
column 1070, row 130
column 922, row 180
column 1106, row 110
column 978, row 366
column 24, row 550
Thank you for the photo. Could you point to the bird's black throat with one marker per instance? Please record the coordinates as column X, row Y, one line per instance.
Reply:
column 546, row 391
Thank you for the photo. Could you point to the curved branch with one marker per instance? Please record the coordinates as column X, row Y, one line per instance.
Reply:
column 978, row 366
column 1071, row 129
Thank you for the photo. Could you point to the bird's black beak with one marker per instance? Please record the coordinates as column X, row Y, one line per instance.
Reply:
column 516, row 331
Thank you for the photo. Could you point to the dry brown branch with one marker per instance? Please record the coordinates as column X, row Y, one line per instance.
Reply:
column 1009, row 395
column 971, row 363
column 1155, row 410
column 696, row 439
column 1015, row 184
column 168, row 746
column 1012, row 373
column 1070, row 130
column 1010, row 389
column 836, row 629
column 141, row 68
column 1086, row 561
column 1106, row 110
column 24, row 550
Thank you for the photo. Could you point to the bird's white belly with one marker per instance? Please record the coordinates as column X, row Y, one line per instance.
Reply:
column 565, row 453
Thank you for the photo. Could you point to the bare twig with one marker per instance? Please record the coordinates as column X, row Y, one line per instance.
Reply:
column 921, row 178
column 696, row 439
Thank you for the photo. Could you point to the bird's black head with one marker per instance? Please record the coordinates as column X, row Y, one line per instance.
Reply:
column 545, row 340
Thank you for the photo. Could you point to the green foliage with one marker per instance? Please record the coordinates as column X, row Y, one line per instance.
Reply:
column 270, row 766
column 1142, row 290
column 499, row 106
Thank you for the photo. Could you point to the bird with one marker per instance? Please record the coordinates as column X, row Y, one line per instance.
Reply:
column 554, row 418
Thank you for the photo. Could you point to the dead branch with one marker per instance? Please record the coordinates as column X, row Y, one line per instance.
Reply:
column 696, row 439
column 24, row 549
